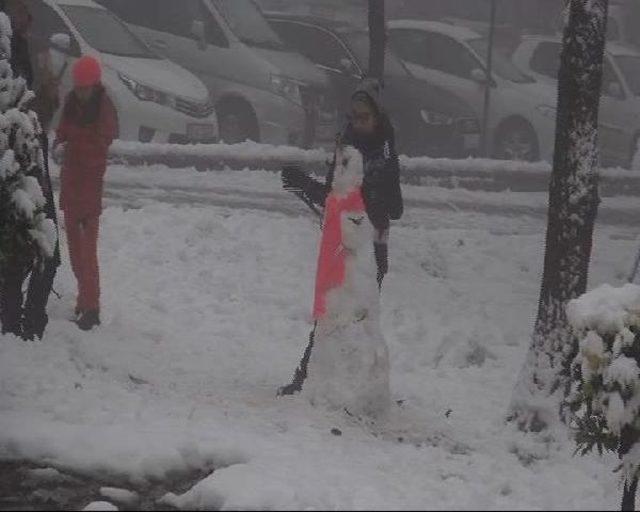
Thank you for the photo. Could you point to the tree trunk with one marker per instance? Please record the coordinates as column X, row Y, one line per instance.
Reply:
column 573, row 207
column 377, row 39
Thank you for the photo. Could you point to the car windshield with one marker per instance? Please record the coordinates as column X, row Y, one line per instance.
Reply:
column 630, row 67
column 359, row 44
column 105, row 33
column 501, row 64
column 247, row 22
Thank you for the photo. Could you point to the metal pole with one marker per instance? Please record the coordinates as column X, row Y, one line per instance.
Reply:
column 487, row 88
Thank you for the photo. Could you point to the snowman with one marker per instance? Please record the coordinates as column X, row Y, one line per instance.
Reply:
column 349, row 366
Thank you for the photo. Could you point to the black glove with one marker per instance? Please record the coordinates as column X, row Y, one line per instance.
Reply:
column 293, row 178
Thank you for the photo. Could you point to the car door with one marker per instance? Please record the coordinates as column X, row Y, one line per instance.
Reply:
column 327, row 52
column 441, row 61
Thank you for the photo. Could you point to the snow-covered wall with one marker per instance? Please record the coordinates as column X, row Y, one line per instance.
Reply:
column 470, row 173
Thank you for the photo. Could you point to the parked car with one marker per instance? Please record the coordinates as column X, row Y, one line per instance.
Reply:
column 428, row 120
column 521, row 120
column 156, row 100
column 620, row 103
column 262, row 91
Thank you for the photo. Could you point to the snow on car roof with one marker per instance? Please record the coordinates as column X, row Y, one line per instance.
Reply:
column 455, row 31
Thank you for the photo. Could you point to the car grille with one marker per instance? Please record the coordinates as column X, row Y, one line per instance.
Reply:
column 194, row 109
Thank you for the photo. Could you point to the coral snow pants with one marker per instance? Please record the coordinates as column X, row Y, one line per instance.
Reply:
column 82, row 238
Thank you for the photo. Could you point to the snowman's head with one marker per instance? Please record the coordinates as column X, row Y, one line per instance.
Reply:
column 357, row 231
column 349, row 170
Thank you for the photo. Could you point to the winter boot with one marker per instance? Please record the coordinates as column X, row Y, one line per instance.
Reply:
column 88, row 320
column 34, row 327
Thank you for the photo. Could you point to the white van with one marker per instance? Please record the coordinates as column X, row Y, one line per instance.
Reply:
column 262, row 90
column 156, row 100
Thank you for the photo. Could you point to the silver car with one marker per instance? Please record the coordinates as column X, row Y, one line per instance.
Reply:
column 539, row 56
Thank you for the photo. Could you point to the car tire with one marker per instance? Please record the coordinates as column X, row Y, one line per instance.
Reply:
column 237, row 122
column 516, row 140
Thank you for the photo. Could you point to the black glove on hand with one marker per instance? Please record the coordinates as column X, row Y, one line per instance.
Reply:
column 292, row 178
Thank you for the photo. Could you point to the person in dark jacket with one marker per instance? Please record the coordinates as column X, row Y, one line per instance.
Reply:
column 370, row 131
column 30, row 61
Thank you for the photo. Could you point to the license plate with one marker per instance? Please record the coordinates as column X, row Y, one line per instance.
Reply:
column 200, row 131
column 472, row 141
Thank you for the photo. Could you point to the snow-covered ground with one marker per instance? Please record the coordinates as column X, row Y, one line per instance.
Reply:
column 207, row 292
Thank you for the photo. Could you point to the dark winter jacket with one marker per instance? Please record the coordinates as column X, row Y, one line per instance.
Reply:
column 381, row 185
column 88, row 131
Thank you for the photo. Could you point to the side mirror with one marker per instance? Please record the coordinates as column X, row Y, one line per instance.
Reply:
column 615, row 89
column 199, row 34
column 479, row 76
column 61, row 42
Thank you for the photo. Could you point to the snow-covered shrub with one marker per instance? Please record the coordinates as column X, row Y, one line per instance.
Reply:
column 25, row 231
column 605, row 393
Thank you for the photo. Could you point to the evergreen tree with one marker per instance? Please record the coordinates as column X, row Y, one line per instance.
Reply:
column 25, row 232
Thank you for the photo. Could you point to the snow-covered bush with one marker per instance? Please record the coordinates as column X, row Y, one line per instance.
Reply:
column 605, row 393
column 24, row 229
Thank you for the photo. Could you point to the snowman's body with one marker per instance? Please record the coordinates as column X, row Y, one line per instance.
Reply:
column 349, row 364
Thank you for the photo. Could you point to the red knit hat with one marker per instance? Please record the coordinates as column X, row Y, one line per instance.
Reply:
column 86, row 72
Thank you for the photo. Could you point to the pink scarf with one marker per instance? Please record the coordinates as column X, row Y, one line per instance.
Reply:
column 331, row 260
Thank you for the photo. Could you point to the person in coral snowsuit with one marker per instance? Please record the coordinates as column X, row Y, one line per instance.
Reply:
column 88, row 126
column 369, row 131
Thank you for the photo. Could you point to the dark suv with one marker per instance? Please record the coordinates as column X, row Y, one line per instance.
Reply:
column 428, row 120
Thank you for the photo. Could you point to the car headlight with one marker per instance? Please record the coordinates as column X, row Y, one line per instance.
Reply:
column 287, row 88
column 547, row 111
column 146, row 93
column 433, row 118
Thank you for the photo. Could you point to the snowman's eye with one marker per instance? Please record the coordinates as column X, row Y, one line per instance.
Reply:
column 345, row 162
column 357, row 220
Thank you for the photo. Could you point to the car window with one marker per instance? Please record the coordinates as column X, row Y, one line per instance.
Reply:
column 134, row 12
column 410, row 45
column 546, row 59
column 435, row 51
column 317, row 45
column 170, row 17
column 106, row 33
column 46, row 23
column 247, row 22
column 613, row 29
column 609, row 78
column 359, row 45
column 630, row 67
column 502, row 65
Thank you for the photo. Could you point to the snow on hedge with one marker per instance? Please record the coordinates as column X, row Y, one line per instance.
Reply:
column 605, row 394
